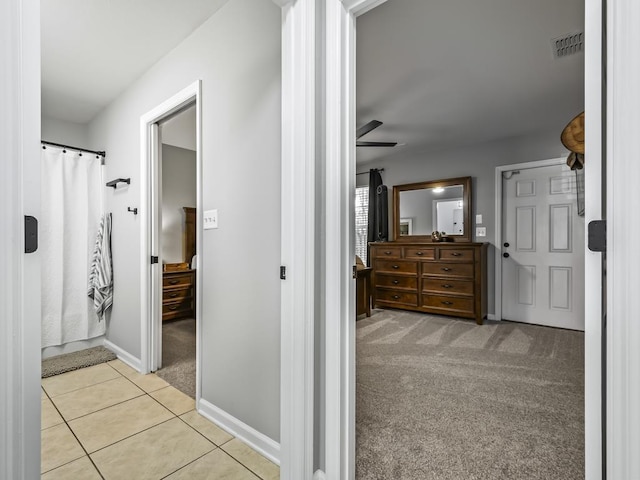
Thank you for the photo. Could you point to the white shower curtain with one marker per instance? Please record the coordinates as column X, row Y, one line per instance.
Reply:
column 72, row 203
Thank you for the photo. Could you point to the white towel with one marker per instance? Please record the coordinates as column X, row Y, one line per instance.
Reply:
column 101, row 272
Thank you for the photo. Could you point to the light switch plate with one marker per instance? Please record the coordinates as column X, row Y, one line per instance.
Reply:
column 479, row 219
column 210, row 219
column 481, row 231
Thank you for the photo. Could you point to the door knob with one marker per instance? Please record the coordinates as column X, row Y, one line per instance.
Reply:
column 506, row 244
column 505, row 255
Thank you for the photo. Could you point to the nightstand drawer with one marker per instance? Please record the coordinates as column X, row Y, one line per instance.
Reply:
column 176, row 279
column 176, row 294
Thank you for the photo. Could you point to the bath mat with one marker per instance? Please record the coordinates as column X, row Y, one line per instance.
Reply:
column 73, row 361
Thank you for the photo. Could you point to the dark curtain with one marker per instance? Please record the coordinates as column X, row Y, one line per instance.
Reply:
column 378, row 228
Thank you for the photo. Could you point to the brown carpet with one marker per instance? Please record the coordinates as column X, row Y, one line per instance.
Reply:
column 75, row 360
column 442, row 398
column 179, row 355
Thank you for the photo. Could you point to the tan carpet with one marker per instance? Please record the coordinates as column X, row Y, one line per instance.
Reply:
column 179, row 355
column 442, row 398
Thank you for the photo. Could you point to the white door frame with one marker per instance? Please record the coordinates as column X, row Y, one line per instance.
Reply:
column 498, row 219
column 20, row 314
column 339, row 112
column 150, row 230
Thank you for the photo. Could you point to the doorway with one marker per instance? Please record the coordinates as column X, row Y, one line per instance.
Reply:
column 172, row 232
column 177, row 246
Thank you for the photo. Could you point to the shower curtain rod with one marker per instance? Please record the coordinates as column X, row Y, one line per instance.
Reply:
column 103, row 154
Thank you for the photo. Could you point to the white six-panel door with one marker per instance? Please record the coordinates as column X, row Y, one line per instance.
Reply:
column 543, row 248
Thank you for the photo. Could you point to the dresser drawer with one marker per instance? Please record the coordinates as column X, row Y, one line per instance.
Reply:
column 396, row 296
column 448, row 269
column 176, row 279
column 456, row 254
column 176, row 293
column 445, row 285
column 444, row 302
column 396, row 266
column 396, row 281
column 420, row 253
column 386, row 252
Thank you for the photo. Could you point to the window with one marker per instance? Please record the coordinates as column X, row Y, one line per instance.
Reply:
column 362, row 221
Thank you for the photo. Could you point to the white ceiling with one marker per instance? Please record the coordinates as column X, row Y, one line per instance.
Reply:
column 447, row 73
column 93, row 49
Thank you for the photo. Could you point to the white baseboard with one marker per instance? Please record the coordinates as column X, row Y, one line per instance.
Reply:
column 319, row 475
column 256, row 440
column 125, row 356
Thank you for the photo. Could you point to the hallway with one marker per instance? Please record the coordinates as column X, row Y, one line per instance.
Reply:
column 110, row 422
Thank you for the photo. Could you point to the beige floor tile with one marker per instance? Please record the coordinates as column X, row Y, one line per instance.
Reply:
column 50, row 415
column 81, row 469
column 152, row 454
column 108, row 426
column 149, row 383
column 216, row 465
column 122, row 367
column 96, row 397
column 43, row 395
column 174, row 400
column 67, row 382
column 252, row 460
column 206, row 427
column 59, row 447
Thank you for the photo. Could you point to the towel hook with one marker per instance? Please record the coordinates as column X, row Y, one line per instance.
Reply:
column 134, row 210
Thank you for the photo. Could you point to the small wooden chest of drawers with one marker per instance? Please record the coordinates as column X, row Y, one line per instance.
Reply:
column 445, row 278
column 178, row 288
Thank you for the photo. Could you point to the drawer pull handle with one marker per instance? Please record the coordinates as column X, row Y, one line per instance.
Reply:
column 444, row 302
column 396, row 297
column 387, row 252
column 446, row 269
column 396, row 282
column 455, row 254
column 395, row 266
column 173, row 295
column 419, row 253
column 173, row 307
column 174, row 282
column 446, row 285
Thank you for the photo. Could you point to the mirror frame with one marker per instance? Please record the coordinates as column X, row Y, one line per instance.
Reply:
column 466, row 211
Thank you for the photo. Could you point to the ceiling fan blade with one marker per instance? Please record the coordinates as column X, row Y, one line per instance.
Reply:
column 367, row 128
column 376, row 144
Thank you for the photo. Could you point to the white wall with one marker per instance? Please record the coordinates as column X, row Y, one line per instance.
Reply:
column 236, row 54
column 178, row 190
column 66, row 133
column 478, row 162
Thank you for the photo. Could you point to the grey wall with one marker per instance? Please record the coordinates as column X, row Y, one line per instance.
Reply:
column 478, row 162
column 236, row 54
column 66, row 133
column 178, row 190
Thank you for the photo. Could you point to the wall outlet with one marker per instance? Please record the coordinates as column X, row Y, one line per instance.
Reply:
column 481, row 231
column 479, row 219
column 210, row 219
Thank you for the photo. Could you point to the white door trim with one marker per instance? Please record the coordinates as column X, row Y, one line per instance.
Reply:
column 298, row 231
column 623, row 255
column 19, row 273
column 498, row 219
column 151, row 277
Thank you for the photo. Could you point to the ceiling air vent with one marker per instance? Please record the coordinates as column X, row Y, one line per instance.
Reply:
column 568, row 45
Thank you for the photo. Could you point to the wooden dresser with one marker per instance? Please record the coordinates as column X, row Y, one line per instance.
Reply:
column 445, row 278
column 178, row 294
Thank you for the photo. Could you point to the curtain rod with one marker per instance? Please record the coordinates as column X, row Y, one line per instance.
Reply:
column 364, row 173
column 102, row 154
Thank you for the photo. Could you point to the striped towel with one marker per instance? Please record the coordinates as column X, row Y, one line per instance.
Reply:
column 101, row 272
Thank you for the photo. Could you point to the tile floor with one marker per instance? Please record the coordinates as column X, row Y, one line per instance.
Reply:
column 110, row 422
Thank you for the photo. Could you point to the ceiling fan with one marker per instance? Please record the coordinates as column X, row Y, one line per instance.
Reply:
column 362, row 131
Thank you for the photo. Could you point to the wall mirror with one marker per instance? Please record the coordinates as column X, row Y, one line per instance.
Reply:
column 438, row 205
